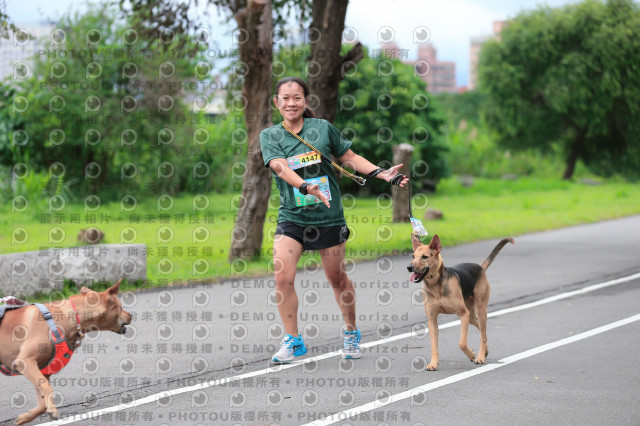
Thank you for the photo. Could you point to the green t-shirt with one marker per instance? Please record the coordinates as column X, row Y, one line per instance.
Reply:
column 276, row 142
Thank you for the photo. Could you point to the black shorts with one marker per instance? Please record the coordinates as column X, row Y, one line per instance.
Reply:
column 314, row 237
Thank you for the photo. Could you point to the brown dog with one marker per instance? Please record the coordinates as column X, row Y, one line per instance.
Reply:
column 27, row 346
column 462, row 290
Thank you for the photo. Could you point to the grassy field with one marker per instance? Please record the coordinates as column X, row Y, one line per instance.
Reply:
column 488, row 209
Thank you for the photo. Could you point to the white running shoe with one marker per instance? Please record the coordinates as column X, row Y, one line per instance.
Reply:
column 290, row 348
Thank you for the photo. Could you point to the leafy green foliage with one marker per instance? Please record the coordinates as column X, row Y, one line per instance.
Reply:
column 569, row 76
column 157, row 17
column 106, row 112
column 224, row 153
column 466, row 106
column 6, row 24
column 472, row 143
column 392, row 107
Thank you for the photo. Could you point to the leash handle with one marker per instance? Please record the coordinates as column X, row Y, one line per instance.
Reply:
column 357, row 179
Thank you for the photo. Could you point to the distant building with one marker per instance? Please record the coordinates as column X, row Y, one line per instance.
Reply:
column 21, row 47
column 476, row 46
column 391, row 50
column 440, row 76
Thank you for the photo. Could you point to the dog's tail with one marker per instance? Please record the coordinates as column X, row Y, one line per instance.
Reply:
column 495, row 252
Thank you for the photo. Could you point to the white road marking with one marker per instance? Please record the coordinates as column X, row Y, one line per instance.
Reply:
column 155, row 397
column 344, row 415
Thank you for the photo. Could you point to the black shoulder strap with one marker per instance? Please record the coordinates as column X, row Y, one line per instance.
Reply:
column 357, row 179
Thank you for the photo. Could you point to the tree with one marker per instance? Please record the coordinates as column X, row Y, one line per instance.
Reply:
column 257, row 54
column 6, row 26
column 328, row 63
column 466, row 106
column 97, row 106
column 258, row 22
column 570, row 77
column 383, row 103
column 255, row 35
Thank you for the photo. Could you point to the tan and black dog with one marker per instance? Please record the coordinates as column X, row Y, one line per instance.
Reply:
column 462, row 290
column 26, row 337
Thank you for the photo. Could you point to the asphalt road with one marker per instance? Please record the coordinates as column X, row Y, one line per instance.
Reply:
column 563, row 340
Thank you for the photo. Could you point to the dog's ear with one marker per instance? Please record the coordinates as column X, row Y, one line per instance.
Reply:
column 435, row 244
column 415, row 241
column 113, row 290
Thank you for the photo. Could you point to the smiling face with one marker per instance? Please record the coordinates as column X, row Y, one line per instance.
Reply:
column 290, row 101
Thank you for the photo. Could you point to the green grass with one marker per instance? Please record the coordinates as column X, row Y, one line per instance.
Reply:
column 489, row 209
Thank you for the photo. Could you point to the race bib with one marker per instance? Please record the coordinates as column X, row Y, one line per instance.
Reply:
column 304, row 160
column 305, row 200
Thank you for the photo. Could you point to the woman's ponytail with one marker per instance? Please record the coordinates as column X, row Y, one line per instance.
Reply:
column 308, row 113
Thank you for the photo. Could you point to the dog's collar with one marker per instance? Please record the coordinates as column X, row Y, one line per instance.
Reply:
column 78, row 328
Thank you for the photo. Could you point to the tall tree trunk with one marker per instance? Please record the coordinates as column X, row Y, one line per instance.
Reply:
column 574, row 154
column 326, row 65
column 257, row 54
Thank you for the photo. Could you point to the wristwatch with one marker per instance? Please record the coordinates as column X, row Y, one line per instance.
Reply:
column 303, row 189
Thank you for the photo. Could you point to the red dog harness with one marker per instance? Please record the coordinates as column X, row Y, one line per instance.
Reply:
column 61, row 350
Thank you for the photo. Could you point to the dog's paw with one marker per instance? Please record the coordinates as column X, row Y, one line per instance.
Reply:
column 432, row 367
column 479, row 360
column 53, row 414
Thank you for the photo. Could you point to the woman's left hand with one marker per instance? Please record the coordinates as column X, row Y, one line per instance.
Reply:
column 391, row 172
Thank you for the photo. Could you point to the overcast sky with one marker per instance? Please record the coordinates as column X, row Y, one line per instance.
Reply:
column 451, row 24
